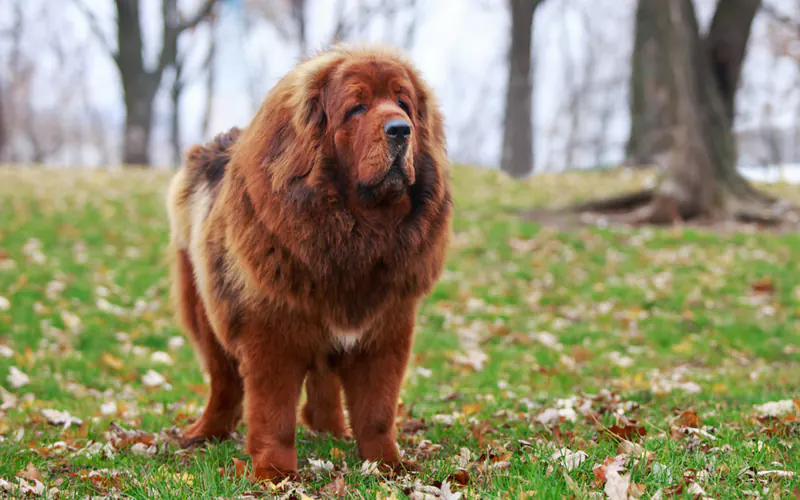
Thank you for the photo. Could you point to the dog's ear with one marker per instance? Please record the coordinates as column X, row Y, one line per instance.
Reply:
column 430, row 119
column 285, row 137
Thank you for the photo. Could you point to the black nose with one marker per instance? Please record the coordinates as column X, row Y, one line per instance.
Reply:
column 397, row 129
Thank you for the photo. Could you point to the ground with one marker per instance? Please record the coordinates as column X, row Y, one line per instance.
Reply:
column 546, row 361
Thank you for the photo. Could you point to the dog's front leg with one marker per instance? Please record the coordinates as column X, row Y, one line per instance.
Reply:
column 273, row 371
column 372, row 375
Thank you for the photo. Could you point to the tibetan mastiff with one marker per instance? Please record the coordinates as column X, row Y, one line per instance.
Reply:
column 303, row 245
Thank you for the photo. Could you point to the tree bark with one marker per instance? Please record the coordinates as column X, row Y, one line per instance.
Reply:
column 517, row 154
column 3, row 133
column 696, row 80
column 299, row 15
column 725, row 45
column 140, row 84
column 648, row 100
column 175, row 118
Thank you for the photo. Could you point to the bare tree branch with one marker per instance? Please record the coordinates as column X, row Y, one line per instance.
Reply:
column 97, row 30
column 776, row 16
column 201, row 14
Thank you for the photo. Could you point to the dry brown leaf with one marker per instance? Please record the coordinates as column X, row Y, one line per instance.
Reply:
column 688, row 419
column 112, row 361
column 627, row 432
column 31, row 473
column 337, row 454
column 336, row 488
column 608, row 473
column 413, row 425
column 240, row 467
column 763, row 286
column 459, row 476
column 637, row 490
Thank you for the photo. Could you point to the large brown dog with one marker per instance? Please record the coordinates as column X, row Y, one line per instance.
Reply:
column 303, row 245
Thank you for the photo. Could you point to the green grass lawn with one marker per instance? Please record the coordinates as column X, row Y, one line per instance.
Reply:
column 541, row 355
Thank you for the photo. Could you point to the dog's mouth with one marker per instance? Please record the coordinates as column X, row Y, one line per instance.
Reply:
column 390, row 188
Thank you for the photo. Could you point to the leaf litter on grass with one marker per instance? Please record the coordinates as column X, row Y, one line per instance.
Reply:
column 542, row 354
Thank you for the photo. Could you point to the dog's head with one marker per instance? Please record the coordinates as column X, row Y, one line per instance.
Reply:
column 351, row 122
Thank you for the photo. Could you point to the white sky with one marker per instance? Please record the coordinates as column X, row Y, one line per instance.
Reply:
column 459, row 45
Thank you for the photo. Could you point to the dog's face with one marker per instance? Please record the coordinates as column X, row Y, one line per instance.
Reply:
column 355, row 127
column 372, row 118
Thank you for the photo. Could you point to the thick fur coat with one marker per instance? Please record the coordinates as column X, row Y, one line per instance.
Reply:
column 302, row 247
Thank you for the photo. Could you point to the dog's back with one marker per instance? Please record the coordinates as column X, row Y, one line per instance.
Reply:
column 194, row 187
column 191, row 195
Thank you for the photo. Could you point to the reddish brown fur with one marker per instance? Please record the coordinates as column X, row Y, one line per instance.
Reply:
column 299, row 258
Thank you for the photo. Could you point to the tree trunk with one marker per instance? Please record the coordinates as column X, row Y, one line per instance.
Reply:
column 517, row 154
column 648, row 100
column 138, row 120
column 175, row 118
column 697, row 79
column 3, row 134
column 299, row 15
column 211, row 71
column 140, row 84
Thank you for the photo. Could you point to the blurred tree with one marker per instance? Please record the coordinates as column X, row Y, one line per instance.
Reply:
column 684, row 85
column 299, row 18
column 3, row 134
column 139, row 83
column 517, row 154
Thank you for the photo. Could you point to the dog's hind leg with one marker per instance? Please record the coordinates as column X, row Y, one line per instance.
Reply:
column 224, row 408
column 323, row 411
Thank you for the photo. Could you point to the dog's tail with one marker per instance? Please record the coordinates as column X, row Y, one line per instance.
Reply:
column 207, row 162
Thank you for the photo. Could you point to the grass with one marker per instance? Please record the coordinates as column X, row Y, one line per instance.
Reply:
column 535, row 339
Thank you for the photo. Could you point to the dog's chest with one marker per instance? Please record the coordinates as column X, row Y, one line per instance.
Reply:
column 345, row 340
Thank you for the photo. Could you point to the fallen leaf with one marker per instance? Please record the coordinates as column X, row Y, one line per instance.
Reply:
column 239, row 467
column 627, row 432
column 633, row 449
column 336, row 488
column 16, row 378
column 688, row 419
column 763, row 286
column 778, row 408
column 568, row 458
column 413, row 425
column 459, row 476
column 153, row 379
column 112, row 361
column 31, row 473
column 608, row 474
column 320, row 466
column 160, row 357
column 776, row 473
column 61, row 418
column 696, row 490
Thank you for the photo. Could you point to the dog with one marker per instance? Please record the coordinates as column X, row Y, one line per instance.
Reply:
column 302, row 247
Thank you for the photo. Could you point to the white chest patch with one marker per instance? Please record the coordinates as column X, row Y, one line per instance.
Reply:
column 346, row 339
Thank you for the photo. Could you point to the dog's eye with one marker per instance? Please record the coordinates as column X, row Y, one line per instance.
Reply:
column 404, row 106
column 355, row 110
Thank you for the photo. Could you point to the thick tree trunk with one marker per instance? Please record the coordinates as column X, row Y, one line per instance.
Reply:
column 695, row 80
column 726, row 46
column 138, row 120
column 648, row 100
column 517, row 154
column 140, row 84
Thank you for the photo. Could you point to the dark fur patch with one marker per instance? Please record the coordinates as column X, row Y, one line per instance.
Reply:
column 207, row 164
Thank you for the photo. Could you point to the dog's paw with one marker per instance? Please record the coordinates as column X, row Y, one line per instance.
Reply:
column 400, row 468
